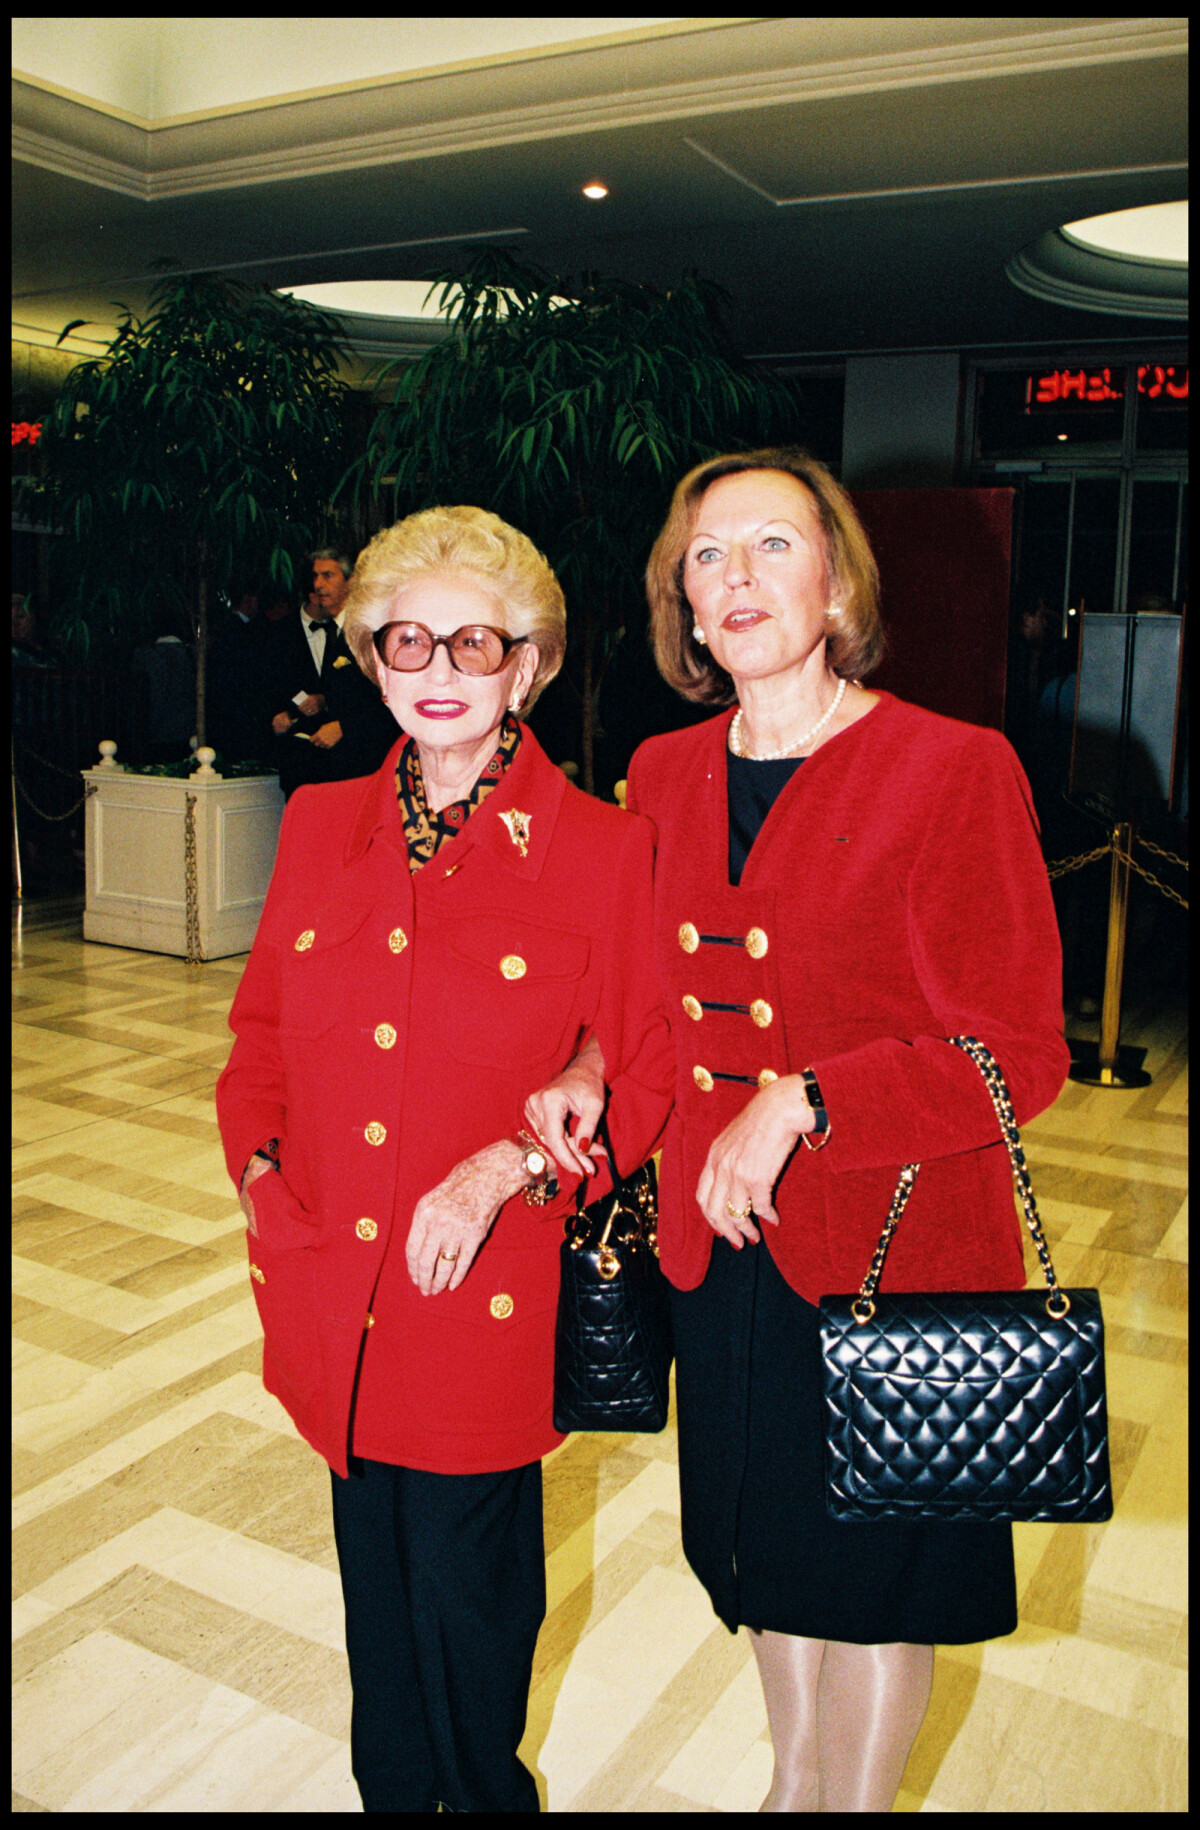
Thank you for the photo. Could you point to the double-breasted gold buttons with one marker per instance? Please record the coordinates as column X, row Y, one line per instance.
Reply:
column 385, row 1036
column 304, row 941
column 689, row 938
column 756, row 943
column 397, row 940
column 761, row 1014
column 501, row 1306
column 692, row 1007
column 257, row 1275
column 367, row 1229
column 513, row 966
column 703, row 1079
column 375, row 1132
column 767, row 1076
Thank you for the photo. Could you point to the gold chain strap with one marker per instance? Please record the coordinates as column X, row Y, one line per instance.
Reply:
column 863, row 1307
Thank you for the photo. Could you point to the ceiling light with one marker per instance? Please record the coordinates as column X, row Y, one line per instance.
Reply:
column 1158, row 232
column 372, row 298
column 1127, row 263
column 595, row 191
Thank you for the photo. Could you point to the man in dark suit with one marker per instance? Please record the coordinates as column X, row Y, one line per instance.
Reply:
column 329, row 722
column 236, row 727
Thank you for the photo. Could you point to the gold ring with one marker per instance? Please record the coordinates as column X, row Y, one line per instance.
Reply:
column 739, row 1213
column 450, row 1257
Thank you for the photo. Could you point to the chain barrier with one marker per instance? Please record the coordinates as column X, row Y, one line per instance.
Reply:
column 58, row 769
column 1172, row 894
column 71, row 775
column 54, row 818
column 1158, row 850
column 1061, row 867
column 190, row 882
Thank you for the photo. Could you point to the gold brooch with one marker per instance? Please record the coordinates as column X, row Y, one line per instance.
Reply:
column 518, row 829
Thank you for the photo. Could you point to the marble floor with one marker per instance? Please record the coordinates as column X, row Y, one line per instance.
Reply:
column 177, row 1616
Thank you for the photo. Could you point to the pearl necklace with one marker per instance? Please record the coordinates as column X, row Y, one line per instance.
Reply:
column 739, row 749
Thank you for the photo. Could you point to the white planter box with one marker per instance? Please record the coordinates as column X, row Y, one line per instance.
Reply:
column 136, row 881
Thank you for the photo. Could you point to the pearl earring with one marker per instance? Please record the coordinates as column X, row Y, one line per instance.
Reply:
column 698, row 635
column 834, row 610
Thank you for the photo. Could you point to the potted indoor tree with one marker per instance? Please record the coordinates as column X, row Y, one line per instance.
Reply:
column 204, row 445
column 570, row 408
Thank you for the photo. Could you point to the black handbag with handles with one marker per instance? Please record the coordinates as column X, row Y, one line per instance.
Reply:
column 966, row 1405
column 612, row 1345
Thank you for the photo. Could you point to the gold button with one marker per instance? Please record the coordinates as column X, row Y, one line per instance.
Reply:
column 703, row 1079
column 756, row 943
column 370, row 1322
column 385, row 1035
column 304, row 941
column 501, row 1306
column 761, row 1013
column 257, row 1275
column 513, row 966
column 689, row 940
column 376, row 1132
column 692, row 1006
column 767, row 1076
column 397, row 940
column 367, row 1229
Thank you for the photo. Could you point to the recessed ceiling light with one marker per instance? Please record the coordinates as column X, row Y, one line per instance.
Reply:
column 595, row 191
column 1125, row 263
column 1157, row 232
column 372, row 298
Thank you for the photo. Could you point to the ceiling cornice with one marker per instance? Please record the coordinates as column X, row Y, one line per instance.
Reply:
column 305, row 136
column 1063, row 271
column 529, row 54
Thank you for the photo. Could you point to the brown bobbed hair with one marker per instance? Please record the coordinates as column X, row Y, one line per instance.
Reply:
column 449, row 540
column 856, row 640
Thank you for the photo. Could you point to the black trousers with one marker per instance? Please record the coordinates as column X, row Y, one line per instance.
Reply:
column 444, row 1580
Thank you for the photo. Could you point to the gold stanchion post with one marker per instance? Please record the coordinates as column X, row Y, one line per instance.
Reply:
column 1107, row 1064
column 16, row 835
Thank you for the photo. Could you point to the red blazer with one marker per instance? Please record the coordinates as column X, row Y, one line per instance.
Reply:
column 900, row 891
column 389, row 1025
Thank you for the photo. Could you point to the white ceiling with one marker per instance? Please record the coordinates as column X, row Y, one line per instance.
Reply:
column 856, row 184
column 152, row 70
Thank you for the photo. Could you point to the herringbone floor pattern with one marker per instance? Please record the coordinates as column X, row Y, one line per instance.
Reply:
column 178, row 1627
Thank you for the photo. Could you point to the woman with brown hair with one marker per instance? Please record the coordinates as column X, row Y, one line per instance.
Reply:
column 843, row 882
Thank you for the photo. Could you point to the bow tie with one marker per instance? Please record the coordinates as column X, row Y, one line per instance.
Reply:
column 322, row 628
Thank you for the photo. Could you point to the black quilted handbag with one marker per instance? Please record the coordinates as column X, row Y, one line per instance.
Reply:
column 966, row 1405
column 612, row 1346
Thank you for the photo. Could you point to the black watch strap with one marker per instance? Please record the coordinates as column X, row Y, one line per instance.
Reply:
column 820, row 1130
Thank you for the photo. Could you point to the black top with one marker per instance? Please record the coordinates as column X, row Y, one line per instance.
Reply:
column 753, row 789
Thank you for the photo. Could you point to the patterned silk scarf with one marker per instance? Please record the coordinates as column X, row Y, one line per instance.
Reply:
column 426, row 832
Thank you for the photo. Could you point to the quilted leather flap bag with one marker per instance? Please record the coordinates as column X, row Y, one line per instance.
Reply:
column 612, row 1347
column 966, row 1405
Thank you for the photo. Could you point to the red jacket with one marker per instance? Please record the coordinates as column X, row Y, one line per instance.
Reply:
column 900, row 890
column 389, row 1025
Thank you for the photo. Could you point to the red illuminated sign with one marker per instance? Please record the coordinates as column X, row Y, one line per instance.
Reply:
column 1164, row 386
column 1074, row 388
column 1067, row 390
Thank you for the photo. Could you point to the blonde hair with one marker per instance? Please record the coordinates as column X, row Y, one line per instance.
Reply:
column 462, row 539
column 854, row 646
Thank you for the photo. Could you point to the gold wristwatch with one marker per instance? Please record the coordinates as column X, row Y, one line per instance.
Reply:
column 539, row 1166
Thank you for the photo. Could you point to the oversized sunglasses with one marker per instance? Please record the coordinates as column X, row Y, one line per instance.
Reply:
column 476, row 648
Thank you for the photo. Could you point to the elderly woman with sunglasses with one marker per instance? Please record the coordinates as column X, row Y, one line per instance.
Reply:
column 439, row 940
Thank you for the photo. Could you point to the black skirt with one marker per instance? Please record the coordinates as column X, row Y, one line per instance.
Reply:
column 755, row 1527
